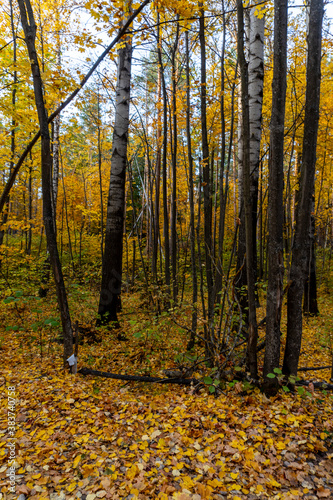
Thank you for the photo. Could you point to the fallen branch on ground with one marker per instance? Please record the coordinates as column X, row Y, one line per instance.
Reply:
column 312, row 369
column 316, row 385
column 139, row 378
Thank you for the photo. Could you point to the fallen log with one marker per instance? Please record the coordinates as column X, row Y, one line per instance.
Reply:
column 139, row 378
column 317, row 385
column 312, row 369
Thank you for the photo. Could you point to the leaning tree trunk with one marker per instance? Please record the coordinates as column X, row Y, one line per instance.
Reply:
column 109, row 300
column 252, row 331
column 275, row 196
column 300, row 251
column 29, row 28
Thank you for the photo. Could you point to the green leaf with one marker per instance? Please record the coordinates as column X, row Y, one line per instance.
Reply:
column 8, row 300
column 278, row 371
column 238, row 369
column 208, row 380
column 285, row 388
column 212, row 388
column 138, row 335
column 271, row 375
column 18, row 293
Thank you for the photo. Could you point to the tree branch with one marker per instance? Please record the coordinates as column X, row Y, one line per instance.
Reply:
column 63, row 105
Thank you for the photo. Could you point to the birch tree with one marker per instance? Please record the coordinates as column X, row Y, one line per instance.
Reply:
column 109, row 300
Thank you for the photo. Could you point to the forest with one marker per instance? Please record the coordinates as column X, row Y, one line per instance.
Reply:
column 166, row 238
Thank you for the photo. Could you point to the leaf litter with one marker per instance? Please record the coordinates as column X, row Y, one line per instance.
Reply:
column 89, row 438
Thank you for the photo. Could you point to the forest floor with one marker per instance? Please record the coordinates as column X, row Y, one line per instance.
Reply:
column 91, row 438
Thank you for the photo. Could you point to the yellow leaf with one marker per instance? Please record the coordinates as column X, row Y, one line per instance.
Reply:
column 132, row 472
column 187, row 483
column 76, row 461
column 71, row 487
column 234, row 475
column 273, row 484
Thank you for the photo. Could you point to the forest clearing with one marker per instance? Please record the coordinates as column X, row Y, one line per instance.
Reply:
column 166, row 237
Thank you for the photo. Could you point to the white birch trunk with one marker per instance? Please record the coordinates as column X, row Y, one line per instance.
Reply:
column 109, row 301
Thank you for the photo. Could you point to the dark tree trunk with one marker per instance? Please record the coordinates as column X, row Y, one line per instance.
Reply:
column 164, row 164
column 109, row 301
column 157, row 176
column 310, row 304
column 191, row 198
column 173, row 229
column 275, row 195
column 206, row 174
column 301, row 247
column 250, row 271
column 29, row 28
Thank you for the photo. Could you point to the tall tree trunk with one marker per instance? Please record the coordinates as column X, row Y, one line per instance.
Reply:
column 206, row 180
column 157, row 174
column 252, row 330
column 109, row 300
column 275, row 195
column 256, row 84
column 310, row 304
column 300, row 251
column 99, row 146
column 191, row 198
column 29, row 28
column 173, row 228
column 164, row 161
column 56, row 138
column 219, row 264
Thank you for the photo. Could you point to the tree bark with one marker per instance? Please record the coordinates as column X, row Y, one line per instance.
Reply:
column 300, row 251
column 252, row 330
column 191, row 198
column 173, row 228
column 275, row 195
column 256, row 84
column 206, row 175
column 310, row 303
column 164, row 163
column 109, row 300
column 29, row 28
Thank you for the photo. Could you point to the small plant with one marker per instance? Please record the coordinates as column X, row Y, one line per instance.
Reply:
column 284, row 382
